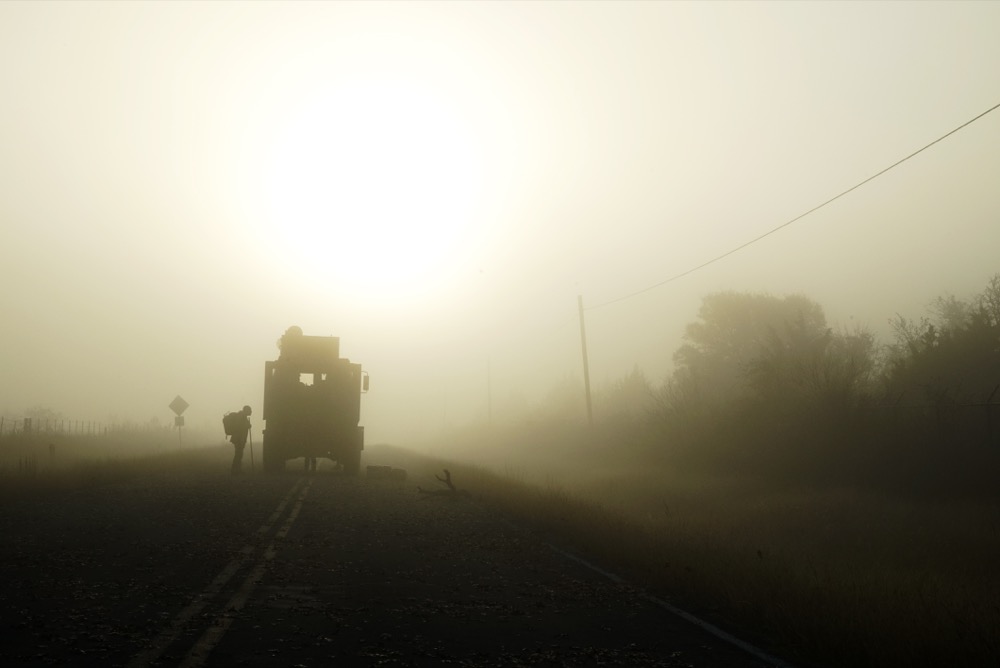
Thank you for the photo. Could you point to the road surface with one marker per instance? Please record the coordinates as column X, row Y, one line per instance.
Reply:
column 295, row 570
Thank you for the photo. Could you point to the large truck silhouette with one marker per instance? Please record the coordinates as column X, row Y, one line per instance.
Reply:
column 312, row 403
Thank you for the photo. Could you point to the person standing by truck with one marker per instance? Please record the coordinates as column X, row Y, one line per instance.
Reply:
column 237, row 426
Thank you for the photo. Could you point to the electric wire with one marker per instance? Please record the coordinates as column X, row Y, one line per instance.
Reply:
column 793, row 220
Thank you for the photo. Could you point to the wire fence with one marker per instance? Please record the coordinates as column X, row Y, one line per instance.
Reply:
column 26, row 427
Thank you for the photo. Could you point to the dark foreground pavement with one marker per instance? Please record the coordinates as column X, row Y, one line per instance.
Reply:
column 309, row 571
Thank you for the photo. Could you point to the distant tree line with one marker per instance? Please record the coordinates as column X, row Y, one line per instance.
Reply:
column 763, row 385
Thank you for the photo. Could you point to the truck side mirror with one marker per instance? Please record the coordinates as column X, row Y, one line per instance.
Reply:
column 364, row 381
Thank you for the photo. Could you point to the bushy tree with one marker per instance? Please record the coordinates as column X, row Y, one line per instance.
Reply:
column 743, row 343
column 834, row 370
column 766, row 372
column 951, row 358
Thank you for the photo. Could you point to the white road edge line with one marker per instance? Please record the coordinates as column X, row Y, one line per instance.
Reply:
column 170, row 634
column 683, row 614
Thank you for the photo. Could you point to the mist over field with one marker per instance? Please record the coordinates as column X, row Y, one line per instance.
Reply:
column 437, row 184
column 775, row 224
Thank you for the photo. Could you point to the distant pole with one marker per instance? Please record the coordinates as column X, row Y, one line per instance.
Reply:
column 586, row 364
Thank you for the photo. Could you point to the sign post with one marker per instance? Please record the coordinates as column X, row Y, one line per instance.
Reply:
column 178, row 406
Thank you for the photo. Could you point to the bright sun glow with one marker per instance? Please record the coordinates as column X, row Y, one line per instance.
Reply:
column 371, row 190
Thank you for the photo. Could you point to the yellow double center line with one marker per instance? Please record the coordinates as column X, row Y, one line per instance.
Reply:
column 213, row 634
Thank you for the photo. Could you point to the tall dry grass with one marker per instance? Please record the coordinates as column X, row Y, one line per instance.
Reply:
column 826, row 575
column 33, row 465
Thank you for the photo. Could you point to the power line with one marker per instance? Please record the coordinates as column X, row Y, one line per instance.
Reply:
column 795, row 219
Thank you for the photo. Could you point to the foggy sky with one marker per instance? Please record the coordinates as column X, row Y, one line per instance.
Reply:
column 436, row 183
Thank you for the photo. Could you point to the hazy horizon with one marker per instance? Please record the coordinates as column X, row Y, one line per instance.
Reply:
column 435, row 183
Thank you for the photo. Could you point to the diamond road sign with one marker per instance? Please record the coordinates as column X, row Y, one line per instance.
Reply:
column 178, row 405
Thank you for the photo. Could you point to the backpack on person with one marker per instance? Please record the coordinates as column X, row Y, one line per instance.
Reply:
column 231, row 423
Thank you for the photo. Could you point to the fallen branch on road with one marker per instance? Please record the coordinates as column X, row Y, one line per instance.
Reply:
column 452, row 491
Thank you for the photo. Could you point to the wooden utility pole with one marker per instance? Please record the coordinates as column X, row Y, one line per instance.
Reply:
column 586, row 364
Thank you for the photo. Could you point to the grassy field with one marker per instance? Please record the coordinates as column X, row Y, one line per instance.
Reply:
column 42, row 464
column 820, row 576
column 825, row 577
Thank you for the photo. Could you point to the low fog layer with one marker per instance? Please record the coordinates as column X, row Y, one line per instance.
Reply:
column 437, row 183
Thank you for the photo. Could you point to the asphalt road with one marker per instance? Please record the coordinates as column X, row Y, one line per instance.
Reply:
column 297, row 570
